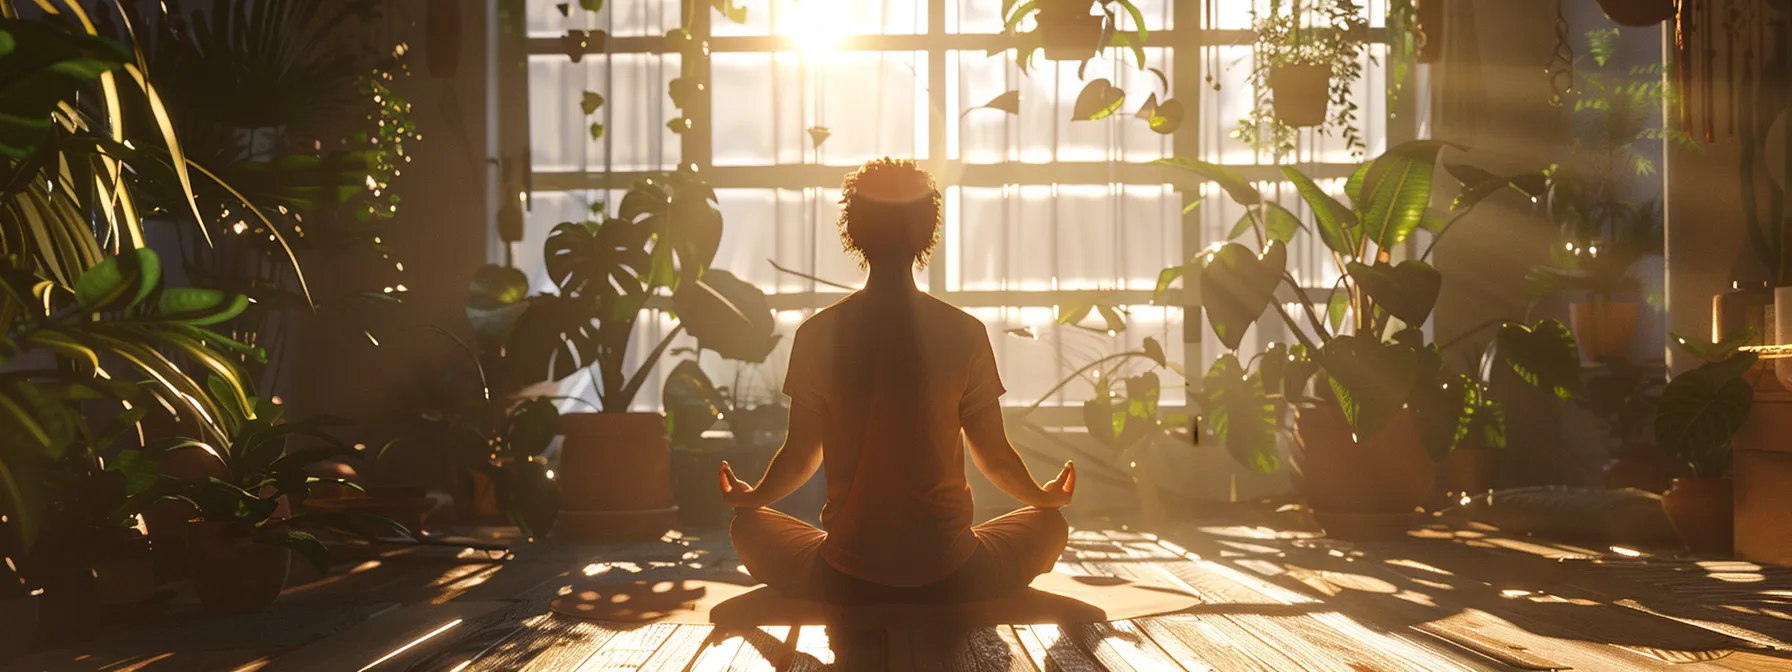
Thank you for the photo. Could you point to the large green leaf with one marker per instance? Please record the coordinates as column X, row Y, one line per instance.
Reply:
column 43, row 64
column 496, row 299
column 1372, row 380
column 1237, row 286
column 1337, row 223
column 1714, row 352
column 1279, row 224
column 119, row 282
column 1241, row 190
column 692, row 402
column 1407, row 291
column 727, row 315
column 532, row 425
column 1396, row 192
column 199, row 307
column 1478, row 184
column 1544, row 355
column 1700, row 411
column 603, row 261
column 1099, row 99
column 1240, row 414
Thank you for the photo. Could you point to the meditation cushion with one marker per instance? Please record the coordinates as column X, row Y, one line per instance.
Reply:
column 1052, row 598
column 1591, row 515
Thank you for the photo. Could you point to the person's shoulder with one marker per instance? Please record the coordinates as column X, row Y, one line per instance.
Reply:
column 825, row 319
column 954, row 315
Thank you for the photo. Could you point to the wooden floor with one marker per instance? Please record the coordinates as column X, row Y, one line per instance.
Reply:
column 1274, row 598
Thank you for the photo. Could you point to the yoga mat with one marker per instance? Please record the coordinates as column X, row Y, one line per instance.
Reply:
column 1052, row 598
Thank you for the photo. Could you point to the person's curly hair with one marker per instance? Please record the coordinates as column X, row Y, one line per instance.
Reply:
column 890, row 209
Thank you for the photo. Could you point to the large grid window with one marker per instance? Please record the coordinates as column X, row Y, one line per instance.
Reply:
column 1040, row 210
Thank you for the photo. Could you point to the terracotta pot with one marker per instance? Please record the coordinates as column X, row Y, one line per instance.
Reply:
column 1466, row 470
column 1361, row 490
column 124, row 568
column 1637, row 12
column 167, row 520
column 1067, row 31
column 616, row 476
column 1640, row 466
column 1604, row 329
column 1763, row 466
column 1703, row 512
column 1300, row 93
column 407, row 505
column 234, row 575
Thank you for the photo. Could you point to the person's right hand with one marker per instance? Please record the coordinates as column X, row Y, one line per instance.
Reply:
column 1056, row 494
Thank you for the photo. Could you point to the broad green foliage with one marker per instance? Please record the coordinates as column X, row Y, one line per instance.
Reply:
column 1701, row 410
column 660, row 243
column 1369, row 352
column 41, row 66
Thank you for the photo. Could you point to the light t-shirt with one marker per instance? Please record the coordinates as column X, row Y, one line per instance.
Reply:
column 894, row 373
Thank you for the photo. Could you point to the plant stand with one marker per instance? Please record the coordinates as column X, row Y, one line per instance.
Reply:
column 1763, row 466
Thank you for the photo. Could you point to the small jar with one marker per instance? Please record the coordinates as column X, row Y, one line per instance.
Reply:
column 1746, row 305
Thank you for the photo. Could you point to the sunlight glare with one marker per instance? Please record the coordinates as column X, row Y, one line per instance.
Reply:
column 815, row 27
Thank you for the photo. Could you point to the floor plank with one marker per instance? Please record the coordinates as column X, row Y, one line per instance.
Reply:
column 679, row 649
column 629, row 650
column 762, row 649
column 811, row 652
column 1119, row 648
column 1054, row 652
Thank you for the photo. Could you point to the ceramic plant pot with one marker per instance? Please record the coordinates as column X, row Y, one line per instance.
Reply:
column 1300, row 94
column 1743, row 308
column 616, row 477
column 1369, row 489
column 1604, row 329
column 1067, row 31
column 233, row 575
column 1703, row 512
column 1782, row 328
column 1466, row 470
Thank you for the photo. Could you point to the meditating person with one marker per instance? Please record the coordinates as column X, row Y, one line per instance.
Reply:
column 882, row 384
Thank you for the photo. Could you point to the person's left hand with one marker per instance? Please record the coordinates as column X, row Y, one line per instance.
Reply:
column 735, row 492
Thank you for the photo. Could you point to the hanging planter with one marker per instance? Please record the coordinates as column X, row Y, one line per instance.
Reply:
column 1637, row 12
column 1301, row 93
column 1067, row 30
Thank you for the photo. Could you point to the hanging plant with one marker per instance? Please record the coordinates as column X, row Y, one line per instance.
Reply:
column 1066, row 31
column 1306, row 60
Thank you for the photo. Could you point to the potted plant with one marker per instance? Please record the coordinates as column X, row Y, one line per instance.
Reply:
column 251, row 521
column 1306, row 57
column 1368, row 391
column 658, row 246
column 1606, row 223
column 1623, row 395
column 1068, row 32
column 1700, row 412
column 694, row 404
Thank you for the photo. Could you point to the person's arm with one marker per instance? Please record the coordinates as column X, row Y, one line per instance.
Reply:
column 997, row 459
column 790, row 468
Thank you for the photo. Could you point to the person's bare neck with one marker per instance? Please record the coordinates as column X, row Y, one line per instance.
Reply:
column 891, row 276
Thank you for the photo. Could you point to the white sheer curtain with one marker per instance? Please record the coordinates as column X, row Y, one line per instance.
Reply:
column 1057, row 215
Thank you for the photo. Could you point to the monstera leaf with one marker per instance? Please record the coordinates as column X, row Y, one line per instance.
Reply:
column 600, row 261
column 41, row 65
column 552, row 338
column 1240, row 415
column 1236, row 287
column 1372, row 380
column 727, row 315
column 1407, row 291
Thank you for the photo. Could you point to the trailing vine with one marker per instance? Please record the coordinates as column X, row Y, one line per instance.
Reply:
column 1330, row 34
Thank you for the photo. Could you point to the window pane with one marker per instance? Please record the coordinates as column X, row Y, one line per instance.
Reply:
column 871, row 104
column 819, row 21
column 619, row 18
column 1044, row 132
column 635, row 106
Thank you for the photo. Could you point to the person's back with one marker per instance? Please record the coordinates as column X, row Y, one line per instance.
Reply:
column 883, row 384
column 894, row 372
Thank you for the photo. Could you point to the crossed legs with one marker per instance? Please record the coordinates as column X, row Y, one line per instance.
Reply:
column 1012, row 549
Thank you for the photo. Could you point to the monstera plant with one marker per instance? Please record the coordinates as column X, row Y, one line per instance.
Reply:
column 1370, row 393
column 654, row 253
